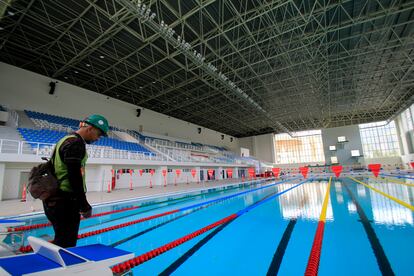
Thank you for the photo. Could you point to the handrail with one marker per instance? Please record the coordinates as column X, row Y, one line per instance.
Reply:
column 42, row 149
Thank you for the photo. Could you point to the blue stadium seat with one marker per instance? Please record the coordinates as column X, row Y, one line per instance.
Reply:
column 34, row 136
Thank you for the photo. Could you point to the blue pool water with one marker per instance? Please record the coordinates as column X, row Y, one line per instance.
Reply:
column 365, row 232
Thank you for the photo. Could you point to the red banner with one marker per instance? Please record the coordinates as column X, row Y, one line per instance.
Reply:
column 152, row 171
column 141, row 172
column 375, row 169
column 276, row 171
column 336, row 170
column 164, row 172
column 210, row 173
column 251, row 172
column 230, row 173
column 178, row 172
column 131, row 171
column 412, row 164
column 193, row 172
column 304, row 171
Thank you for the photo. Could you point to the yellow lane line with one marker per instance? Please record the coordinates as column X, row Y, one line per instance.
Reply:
column 392, row 180
column 411, row 207
column 325, row 202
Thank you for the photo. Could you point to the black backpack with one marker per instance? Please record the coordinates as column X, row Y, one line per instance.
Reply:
column 43, row 182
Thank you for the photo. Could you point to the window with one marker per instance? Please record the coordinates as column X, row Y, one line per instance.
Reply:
column 355, row 153
column 379, row 139
column 341, row 139
column 303, row 147
column 408, row 118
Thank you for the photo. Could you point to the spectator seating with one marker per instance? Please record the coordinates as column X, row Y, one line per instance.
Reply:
column 48, row 137
column 53, row 128
column 72, row 123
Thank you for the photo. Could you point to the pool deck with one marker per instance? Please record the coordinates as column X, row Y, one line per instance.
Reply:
column 15, row 207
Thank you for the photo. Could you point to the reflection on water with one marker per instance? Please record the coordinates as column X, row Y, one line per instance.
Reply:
column 351, row 207
column 386, row 211
column 305, row 201
column 248, row 199
column 338, row 192
column 361, row 190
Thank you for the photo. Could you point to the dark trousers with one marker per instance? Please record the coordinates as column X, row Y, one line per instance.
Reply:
column 63, row 213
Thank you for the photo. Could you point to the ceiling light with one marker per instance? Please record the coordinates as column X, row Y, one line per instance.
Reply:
column 88, row 65
column 10, row 13
column 1, row 28
column 153, row 82
column 65, row 77
column 76, row 72
column 101, row 56
column 140, row 87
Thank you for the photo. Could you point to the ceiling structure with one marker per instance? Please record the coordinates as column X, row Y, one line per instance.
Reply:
column 259, row 66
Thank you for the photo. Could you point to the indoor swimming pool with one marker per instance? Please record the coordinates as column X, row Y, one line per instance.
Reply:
column 366, row 226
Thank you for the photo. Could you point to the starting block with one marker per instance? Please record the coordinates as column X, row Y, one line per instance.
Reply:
column 50, row 259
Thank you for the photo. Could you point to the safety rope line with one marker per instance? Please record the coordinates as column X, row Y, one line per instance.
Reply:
column 405, row 204
column 313, row 262
column 396, row 176
column 393, row 181
column 42, row 225
column 131, row 263
column 119, row 268
column 379, row 252
column 28, row 248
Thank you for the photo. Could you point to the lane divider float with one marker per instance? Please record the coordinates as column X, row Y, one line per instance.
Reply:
column 393, row 181
column 405, row 204
column 127, row 265
column 396, row 176
column 28, row 248
column 42, row 225
column 313, row 263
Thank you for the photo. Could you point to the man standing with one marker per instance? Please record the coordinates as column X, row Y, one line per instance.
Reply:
column 69, row 159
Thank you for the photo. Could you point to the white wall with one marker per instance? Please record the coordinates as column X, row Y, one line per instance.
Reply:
column 22, row 89
column 343, row 150
column 264, row 147
column 244, row 152
column 406, row 141
column 247, row 143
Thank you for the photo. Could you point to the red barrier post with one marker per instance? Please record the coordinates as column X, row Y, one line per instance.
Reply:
column 24, row 194
column 130, row 179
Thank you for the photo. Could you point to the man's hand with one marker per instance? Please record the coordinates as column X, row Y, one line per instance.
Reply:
column 86, row 214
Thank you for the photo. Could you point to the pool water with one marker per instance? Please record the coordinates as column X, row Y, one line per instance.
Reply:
column 366, row 232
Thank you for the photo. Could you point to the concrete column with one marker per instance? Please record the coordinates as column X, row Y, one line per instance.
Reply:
column 235, row 172
column 161, row 180
column 219, row 174
column 2, row 174
column 197, row 176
